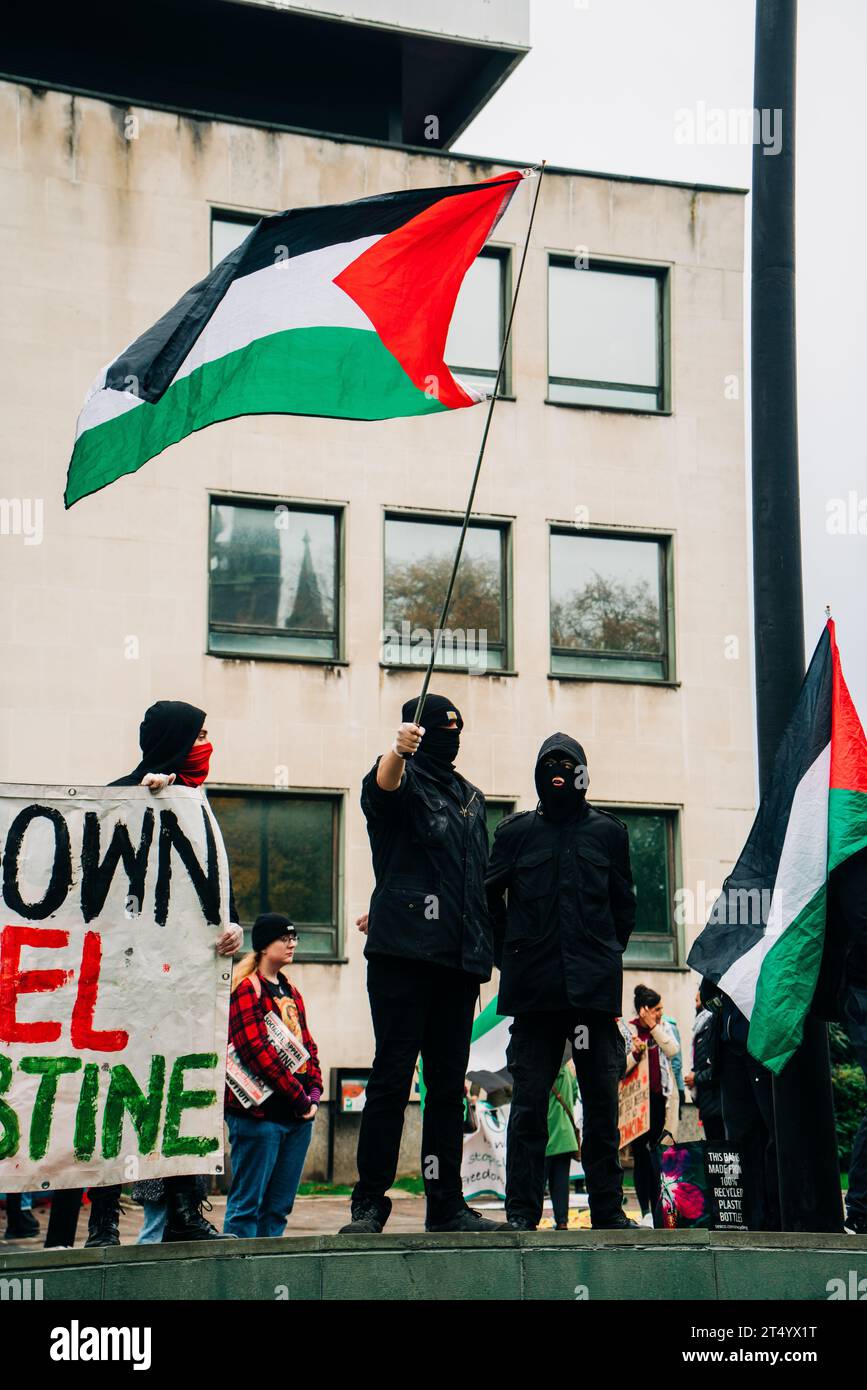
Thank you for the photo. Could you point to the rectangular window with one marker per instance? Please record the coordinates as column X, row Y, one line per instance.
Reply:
column 652, row 852
column 607, row 335
column 228, row 230
column 495, row 811
column 284, row 856
column 419, row 553
column 274, row 580
column 478, row 325
column 610, row 606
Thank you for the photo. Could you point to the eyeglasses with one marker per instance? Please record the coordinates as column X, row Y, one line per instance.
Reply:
column 289, row 937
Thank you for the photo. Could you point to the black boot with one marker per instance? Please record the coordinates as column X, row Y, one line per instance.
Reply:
column 102, row 1228
column 517, row 1223
column 619, row 1222
column 21, row 1225
column 466, row 1220
column 368, row 1217
column 184, row 1219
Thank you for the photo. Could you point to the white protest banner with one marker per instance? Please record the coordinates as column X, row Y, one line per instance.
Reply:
column 113, row 1002
column 483, row 1166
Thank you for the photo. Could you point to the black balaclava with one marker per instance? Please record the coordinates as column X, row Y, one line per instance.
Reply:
column 562, row 803
column 166, row 735
column 439, row 746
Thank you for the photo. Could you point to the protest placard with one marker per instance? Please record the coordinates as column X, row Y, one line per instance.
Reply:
column 113, row 1001
column 634, row 1117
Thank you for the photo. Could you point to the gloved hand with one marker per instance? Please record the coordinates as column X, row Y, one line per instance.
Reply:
column 230, row 940
column 407, row 740
column 157, row 781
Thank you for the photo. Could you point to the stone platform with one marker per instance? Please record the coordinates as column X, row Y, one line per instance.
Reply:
column 637, row 1264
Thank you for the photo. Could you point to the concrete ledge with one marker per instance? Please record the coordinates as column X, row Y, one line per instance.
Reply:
column 664, row 1265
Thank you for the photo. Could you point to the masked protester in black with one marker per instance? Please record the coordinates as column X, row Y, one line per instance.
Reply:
column 428, row 950
column 174, row 747
column 559, row 944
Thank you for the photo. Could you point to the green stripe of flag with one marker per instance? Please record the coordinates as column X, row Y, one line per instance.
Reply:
column 342, row 372
column 847, row 824
column 786, row 985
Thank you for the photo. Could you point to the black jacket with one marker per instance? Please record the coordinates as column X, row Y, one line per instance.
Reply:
column 705, row 1066
column 560, row 939
column 429, row 859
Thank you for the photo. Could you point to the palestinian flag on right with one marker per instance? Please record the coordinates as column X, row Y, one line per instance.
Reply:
column 764, row 938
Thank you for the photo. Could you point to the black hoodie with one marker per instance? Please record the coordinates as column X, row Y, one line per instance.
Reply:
column 166, row 735
column 561, row 934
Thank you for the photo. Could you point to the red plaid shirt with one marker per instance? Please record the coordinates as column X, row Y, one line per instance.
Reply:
column 254, row 1048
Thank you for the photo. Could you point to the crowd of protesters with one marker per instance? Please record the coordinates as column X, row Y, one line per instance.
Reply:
column 553, row 907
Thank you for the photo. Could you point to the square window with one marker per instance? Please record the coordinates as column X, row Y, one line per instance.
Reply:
column 274, row 581
column 283, row 851
column 419, row 554
column 609, row 606
column 228, row 230
column 652, row 854
column 478, row 325
column 606, row 336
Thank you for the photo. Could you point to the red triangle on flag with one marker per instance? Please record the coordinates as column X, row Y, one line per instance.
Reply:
column 408, row 281
column 848, row 744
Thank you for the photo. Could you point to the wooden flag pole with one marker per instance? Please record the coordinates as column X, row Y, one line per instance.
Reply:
column 506, row 337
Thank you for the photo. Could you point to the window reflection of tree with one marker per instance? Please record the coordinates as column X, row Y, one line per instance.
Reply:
column 281, row 855
column 608, row 615
column 414, row 592
column 649, row 852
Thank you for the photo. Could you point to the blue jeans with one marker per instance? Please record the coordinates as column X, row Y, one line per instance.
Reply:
column 155, row 1215
column 855, row 1023
column 267, row 1163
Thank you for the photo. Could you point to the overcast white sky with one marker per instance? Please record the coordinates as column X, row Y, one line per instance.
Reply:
column 600, row 90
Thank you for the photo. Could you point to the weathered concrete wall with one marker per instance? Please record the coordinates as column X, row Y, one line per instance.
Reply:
column 100, row 234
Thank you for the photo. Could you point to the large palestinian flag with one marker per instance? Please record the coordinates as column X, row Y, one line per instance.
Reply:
column 764, row 938
column 340, row 311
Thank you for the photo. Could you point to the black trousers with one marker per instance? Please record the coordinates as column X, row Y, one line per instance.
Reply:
column 534, row 1058
column 748, row 1113
column 427, row 1009
column 557, row 1177
column 645, row 1157
column 855, row 1023
column 714, row 1130
column 66, row 1205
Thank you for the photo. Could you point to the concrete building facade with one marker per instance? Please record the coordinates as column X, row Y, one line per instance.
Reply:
column 609, row 547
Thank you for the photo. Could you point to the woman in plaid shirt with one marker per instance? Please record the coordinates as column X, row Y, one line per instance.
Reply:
column 269, row 1141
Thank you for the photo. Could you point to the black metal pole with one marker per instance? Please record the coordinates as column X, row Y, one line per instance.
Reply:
column 493, row 401
column 809, row 1176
